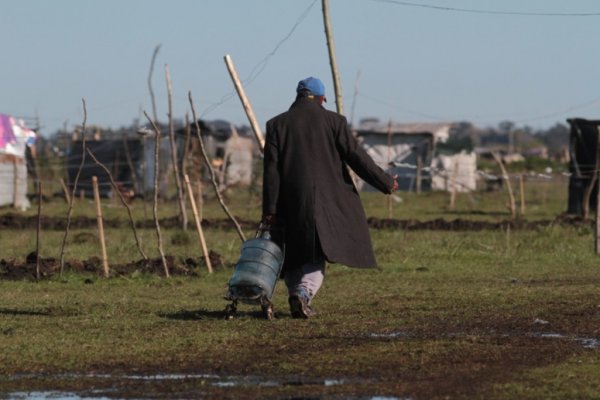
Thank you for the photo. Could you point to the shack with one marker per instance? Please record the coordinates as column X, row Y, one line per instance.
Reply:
column 582, row 164
column 455, row 172
column 232, row 150
column 124, row 158
column 402, row 149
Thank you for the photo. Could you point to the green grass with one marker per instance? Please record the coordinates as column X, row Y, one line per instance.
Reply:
column 446, row 314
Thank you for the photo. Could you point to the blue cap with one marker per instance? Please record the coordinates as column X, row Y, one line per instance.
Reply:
column 312, row 85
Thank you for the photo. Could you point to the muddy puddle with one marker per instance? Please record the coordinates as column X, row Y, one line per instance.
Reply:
column 108, row 386
column 584, row 342
column 207, row 385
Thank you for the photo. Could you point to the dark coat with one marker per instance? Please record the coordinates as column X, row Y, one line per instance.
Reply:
column 308, row 187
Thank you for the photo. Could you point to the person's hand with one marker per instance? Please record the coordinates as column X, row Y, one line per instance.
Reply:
column 268, row 219
column 395, row 185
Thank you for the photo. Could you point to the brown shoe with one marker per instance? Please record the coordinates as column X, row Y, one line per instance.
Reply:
column 299, row 307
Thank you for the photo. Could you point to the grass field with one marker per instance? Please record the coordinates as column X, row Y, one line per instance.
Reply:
column 491, row 314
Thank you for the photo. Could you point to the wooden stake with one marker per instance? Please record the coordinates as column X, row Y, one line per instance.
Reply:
column 174, row 160
column 419, row 169
column 155, row 200
column 332, row 60
column 522, row 193
column 65, row 190
column 247, row 107
column 389, row 157
column 454, row 188
column 75, row 183
column 100, row 226
column 123, row 201
column 198, row 223
column 511, row 197
column 37, row 232
column 15, row 182
column 212, row 173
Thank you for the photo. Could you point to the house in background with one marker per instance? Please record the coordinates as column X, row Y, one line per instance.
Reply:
column 406, row 150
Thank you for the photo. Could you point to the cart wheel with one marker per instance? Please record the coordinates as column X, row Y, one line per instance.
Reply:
column 230, row 310
column 267, row 310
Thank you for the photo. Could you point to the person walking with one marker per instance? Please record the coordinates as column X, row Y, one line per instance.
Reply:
column 308, row 192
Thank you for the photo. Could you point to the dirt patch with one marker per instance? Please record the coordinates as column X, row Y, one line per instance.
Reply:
column 14, row 269
column 17, row 221
column 460, row 224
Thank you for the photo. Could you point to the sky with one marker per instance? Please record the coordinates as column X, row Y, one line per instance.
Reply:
column 533, row 62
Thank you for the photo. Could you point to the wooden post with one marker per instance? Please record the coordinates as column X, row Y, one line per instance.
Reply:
column 419, row 169
column 155, row 199
column 174, row 160
column 522, row 193
column 75, row 183
column 212, row 173
column 332, row 60
column 15, row 182
column 198, row 223
column 454, row 188
column 511, row 197
column 123, row 201
column 389, row 157
column 37, row 232
column 247, row 107
column 100, row 226
column 65, row 191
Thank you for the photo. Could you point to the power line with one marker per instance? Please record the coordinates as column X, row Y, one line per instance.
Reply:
column 531, row 118
column 567, row 110
column 490, row 12
column 262, row 64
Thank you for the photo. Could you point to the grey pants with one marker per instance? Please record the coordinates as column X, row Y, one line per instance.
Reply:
column 305, row 281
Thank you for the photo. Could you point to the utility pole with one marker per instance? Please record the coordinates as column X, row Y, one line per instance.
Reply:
column 332, row 61
column 354, row 101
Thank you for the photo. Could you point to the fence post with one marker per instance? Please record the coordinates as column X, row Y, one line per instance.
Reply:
column 100, row 226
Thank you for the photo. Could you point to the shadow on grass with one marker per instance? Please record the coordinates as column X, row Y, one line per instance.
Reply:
column 14, row 311
column 197, row 315
column 470, row 212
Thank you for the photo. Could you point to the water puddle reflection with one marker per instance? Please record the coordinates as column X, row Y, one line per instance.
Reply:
column 108, row 386
column 585, row 342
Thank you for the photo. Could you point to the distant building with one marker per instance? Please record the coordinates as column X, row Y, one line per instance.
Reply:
column 402, row 149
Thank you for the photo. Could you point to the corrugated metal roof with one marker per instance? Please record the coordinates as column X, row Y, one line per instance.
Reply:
column 440, row 130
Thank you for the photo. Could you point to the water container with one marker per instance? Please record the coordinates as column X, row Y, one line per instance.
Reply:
column 256, row 272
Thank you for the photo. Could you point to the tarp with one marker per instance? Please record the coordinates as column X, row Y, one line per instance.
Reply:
column 14, row 139
column 7, row 135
